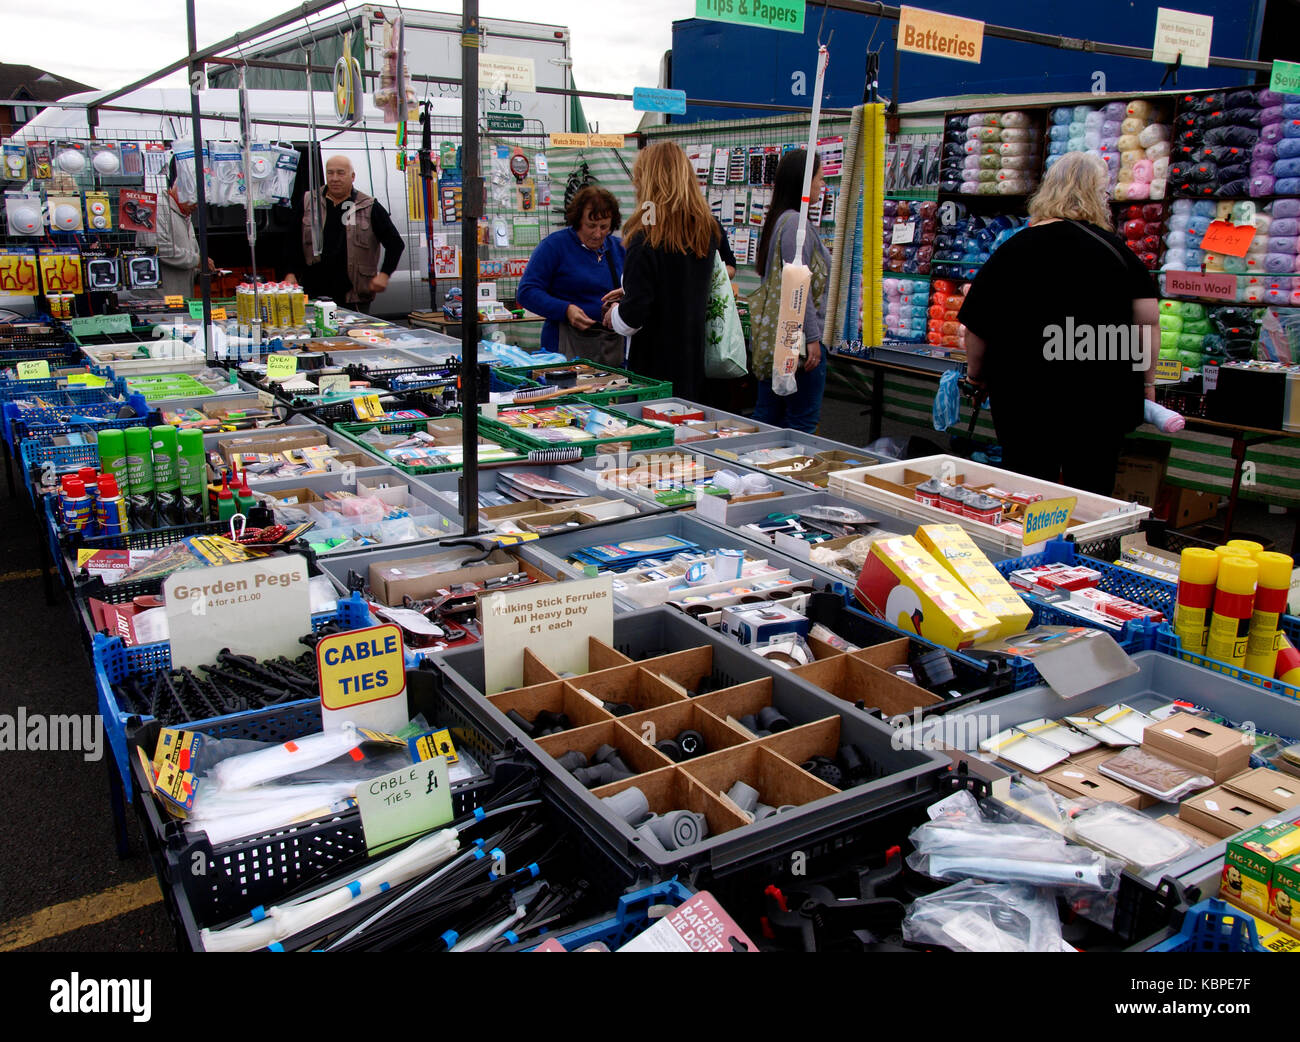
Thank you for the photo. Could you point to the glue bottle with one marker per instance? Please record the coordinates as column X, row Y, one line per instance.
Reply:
column 1198, row 569
column 1262, row 643
column 1251, row 547
column 1234, row 602
column 226, row 505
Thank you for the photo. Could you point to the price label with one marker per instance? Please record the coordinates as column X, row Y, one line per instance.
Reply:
column 332, row 382
column 1209, row 377
column 902, row 234
column 175, row 300
column 281, row 367
column 405, row 804
column 607, row 140
column 1182, row 34
column 367, row 407
column 1232, row 240
column 569, row 140
column 87, row 380
column 655, row 99
column 34, row 370
column 218, row 314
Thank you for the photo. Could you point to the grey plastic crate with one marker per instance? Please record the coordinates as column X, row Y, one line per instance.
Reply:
column 742, row 514
column 426, row 501
column 1160, row 680
column 447, row 486
column 652, row 460
column 551, row 552
column 900, row 777
column 711, row 415
column 375, row 357
column 729, row 449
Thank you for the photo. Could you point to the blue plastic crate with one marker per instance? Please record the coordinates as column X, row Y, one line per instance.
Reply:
column 114, row 662
column 631, row 917
column 1213, row 926
column 11, row 389
column 1151, row 593
column 87, row 408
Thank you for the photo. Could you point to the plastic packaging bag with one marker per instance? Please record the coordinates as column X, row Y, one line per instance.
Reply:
column 947, row 401
column 724, row 343
column 1010, row 853
column 1129, row 836
column 986, row 917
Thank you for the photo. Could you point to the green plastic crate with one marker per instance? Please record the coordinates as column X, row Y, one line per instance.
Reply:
column 489, row 429
column 640, row 388
column 660, row 438
column 168, row 385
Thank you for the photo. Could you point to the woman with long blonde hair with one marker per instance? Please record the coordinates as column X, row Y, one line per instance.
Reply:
column 671, row 239
column 1062, row 329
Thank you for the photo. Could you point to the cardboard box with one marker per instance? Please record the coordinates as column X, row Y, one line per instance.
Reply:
column 1223, row 813
column 386, row 490
column 956, row 551
column 1181, row 507
column 1074, row 781
column 904, row 585
column 1249, row 860
column 1190, row 741
column 1140, row 472
column 1269, row 788
column 414, row 577
column 1284, row 893
column 1202, row 838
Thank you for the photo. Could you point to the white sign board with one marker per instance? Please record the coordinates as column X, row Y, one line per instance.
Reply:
column 257, row 608
column 498, row 74
column 1182, row 32
column 553, row 620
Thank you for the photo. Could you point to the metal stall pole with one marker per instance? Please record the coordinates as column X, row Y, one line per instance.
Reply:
column 472, row 198
column 205, row 281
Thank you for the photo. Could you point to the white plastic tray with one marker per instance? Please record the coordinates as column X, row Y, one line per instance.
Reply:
column 1089, row 510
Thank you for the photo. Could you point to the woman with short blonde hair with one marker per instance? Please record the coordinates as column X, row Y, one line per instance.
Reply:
column 671, row 240
column 1062, row 330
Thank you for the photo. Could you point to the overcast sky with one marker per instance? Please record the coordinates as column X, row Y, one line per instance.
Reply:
column 616, row 46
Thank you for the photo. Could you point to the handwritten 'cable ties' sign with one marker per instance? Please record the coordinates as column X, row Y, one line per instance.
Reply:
column 940, row 35
column 767, row 14
column 1048, row 519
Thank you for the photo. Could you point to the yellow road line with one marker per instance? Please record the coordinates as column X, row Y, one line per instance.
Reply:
column 31, row 573
column 73, row 915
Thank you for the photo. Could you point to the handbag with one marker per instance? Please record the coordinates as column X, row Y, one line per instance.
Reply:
column 597, row 344
column 724, row 344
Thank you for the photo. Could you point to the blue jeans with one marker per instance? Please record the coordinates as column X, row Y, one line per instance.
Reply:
column 800, row 411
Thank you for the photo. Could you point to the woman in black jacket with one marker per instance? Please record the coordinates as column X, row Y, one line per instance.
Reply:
column 1062, row 329
column 671, row 239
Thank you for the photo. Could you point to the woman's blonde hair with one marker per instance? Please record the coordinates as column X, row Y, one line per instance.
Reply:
column 1076, row 188
column 671, row 211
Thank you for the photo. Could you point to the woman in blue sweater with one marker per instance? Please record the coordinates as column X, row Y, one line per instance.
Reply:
column 568, row 274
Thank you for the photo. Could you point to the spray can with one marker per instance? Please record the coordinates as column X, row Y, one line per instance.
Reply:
column 65, row 509
column 1197, row 571
column 139, row 469
column 166, row 476
column 112, row 457
column 283, row 306
column 112, row 508
column 1262, row 643
column 1287, row 669
column 1248, row 545
column 298, row 305
column 192, row 472
column 1234, row 603
column 77, row 508
column 88, row 477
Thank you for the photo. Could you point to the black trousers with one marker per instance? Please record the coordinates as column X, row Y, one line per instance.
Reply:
column 1079, row 456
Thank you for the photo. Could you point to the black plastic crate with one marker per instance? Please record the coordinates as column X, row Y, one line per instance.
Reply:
column 206, row 885
column 895, row 777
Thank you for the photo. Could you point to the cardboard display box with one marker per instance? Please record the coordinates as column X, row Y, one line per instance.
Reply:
column 1223, row 813
column 1269, row 788
column 1189, row 741
column 1249, row 862
column 1181, row 507
column 1074, row 781
column 417, row 578
column 1141, row 472
column 1202, row 838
